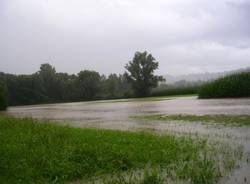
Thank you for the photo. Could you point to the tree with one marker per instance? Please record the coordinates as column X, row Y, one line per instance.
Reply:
column 140, row 73
column 50, row 82
column 68, row 86
column 3, row 99
column 111, row 85
column 89, row 84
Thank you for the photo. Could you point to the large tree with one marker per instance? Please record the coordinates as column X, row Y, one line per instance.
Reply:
column 140, row 73
column 50, row 82
column 89, row 83
column 111, row 85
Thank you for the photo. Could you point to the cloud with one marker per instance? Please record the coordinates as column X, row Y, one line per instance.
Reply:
column 185, row 36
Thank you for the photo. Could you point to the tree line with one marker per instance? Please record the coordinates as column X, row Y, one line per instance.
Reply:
column 49, row 86
column 234, row 85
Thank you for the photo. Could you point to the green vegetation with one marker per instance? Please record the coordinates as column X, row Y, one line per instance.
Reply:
column 3, row 99
column 235, row 85
column 153, row 176
column 167, row 90
column 226, row 119
column 89, row 83
column 38, row 152
column 140, row 73
column 49, row 86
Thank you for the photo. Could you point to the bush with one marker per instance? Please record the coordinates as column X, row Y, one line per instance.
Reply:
column 175, row 90
column 3, row 100
column 235, row 85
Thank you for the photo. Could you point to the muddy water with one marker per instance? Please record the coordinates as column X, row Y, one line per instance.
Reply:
column 116, row 115
column 88, row 112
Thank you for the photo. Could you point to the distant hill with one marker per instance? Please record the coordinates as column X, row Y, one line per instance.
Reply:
column 202, row 77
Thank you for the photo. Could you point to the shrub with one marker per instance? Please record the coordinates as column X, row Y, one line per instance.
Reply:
column 173, row 90
column 235, row 85
column 3, row 100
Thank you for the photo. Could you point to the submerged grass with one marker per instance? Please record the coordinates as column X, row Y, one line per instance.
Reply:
column 32, row 151
column 225, row 119
column 148, row 176
column 152, row 176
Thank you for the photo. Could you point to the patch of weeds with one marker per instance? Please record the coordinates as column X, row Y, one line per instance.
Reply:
column 150, row 176
column 236, row 120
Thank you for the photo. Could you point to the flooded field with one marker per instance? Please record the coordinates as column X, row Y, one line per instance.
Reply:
column 118, row 115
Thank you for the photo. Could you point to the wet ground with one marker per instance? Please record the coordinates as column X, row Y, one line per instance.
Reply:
column 117, row 115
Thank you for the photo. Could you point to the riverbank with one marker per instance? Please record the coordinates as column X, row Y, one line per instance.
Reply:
column 33, row 150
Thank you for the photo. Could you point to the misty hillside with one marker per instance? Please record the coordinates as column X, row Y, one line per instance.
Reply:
column 170, row 79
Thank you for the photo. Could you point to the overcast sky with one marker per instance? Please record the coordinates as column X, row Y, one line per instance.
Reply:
column 185, row 36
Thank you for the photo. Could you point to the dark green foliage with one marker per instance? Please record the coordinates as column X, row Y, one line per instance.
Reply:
column 112, row 85
column 140, row 73
column 3, row 99
column 89, row 83
column 25, row 89
column 117, row 87
column 50, row 82
column 175, row 90
column 235, row 85
column 39, row 152
column 48, row 86
column 181, row 87
column 3, row 92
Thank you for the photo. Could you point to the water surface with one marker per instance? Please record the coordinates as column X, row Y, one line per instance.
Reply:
column 84, row 113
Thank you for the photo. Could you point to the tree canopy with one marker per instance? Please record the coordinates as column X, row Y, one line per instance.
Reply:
column 89, row 84
column 140, row 73
column 48, row 86
column 3, row 99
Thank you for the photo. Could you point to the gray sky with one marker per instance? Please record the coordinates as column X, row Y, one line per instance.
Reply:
column 185, row 36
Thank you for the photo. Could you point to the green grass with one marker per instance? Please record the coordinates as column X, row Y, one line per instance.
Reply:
column 225, row 119
column 32, row 151
column 152, row 176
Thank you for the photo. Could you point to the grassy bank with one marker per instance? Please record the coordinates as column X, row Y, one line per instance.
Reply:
column 226, row 119
column 40, row 152
column 235, row 85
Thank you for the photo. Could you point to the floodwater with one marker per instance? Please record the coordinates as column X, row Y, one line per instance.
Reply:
column 117, row 115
